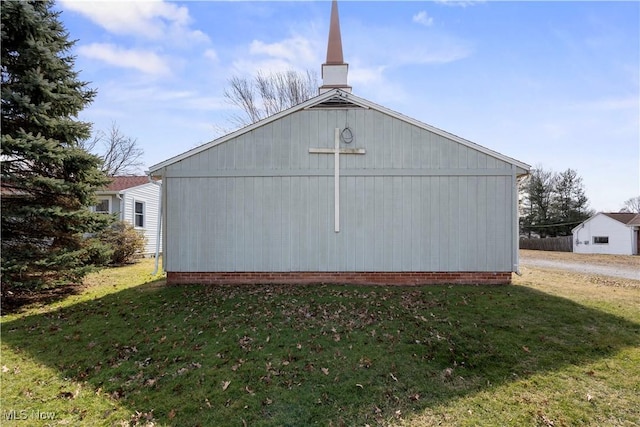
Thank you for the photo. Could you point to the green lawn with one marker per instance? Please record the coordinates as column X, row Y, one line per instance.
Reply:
column 130, row 351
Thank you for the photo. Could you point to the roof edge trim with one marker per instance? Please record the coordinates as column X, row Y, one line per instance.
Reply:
column 153, row 170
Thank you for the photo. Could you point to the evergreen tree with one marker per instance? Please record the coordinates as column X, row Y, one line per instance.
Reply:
column 569, row 204
column 553, row 203
column 536, row 204
column 48, row 180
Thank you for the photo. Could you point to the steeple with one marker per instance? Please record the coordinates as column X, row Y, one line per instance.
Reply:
column 334, row 70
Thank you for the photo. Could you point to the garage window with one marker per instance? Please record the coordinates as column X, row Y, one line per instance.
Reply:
column 600, row 240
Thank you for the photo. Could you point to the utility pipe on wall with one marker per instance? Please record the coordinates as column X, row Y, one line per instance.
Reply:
column 159, row 223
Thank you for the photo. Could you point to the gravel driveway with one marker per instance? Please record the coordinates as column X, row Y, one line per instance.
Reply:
column 603, row 270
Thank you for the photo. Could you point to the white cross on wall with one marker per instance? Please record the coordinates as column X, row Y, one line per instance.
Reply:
column 336, row 151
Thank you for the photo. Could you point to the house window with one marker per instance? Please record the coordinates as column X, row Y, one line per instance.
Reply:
column 600, row 240
column 138, row 214
column 103, row 206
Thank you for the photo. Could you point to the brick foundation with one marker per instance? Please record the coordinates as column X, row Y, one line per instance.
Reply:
column 357, row 278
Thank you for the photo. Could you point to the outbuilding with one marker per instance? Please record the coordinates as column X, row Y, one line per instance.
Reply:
column 608, row 233
column 339, row 189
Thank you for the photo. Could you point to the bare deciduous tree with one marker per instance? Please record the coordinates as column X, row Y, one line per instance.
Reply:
column 632, row 205
column 268, row 94
column 120, row 154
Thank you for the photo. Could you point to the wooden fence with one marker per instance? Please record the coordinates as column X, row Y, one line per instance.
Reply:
column 560, row 244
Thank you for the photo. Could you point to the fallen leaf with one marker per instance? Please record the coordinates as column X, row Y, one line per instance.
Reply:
column 393, row 376
column 5, row 369
column 325, row 371
column 172, row 414
column 525, row 348
column 225, row 385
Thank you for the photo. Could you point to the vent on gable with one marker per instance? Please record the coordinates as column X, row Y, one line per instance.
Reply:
column 336, row 102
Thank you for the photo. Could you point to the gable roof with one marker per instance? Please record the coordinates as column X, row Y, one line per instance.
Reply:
column 337, row 98
column 624, row 217
column 120, row 183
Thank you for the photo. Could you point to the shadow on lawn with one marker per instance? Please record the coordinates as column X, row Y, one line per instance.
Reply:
column 283, row 355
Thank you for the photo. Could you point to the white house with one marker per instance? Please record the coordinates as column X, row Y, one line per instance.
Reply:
column 136, row 200
column 339, row 189
column 608, row 233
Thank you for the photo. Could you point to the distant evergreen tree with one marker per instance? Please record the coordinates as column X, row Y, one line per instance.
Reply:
column 552, row 203
column 569, row 204
column 48, row 181
column 536, row 202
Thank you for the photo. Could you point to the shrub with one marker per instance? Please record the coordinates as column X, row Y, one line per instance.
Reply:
column 125, row 241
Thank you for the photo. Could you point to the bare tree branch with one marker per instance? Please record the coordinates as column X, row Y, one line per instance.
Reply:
column 120, row 154
column 632, row 205
column 268, row 94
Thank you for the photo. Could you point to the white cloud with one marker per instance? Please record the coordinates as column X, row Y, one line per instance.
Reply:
column 438, row 52
column 149, row 19
column 250, row 66
column 423, row 19
column 144, row 61
column 296, row 53
column 293, row 49
column 366, row 75
column 211, row 54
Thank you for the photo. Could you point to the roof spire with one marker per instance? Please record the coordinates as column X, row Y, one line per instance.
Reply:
column 334, row 47
column 334, row 70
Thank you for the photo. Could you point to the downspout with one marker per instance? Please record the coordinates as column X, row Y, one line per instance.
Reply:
column 159, row 223
column 517, row 180
column 121, row 213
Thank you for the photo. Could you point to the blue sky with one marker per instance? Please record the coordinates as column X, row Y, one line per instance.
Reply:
column 552, row 84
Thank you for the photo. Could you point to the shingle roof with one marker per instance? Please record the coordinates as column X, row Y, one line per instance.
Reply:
column 624, row 217
column 120, row 183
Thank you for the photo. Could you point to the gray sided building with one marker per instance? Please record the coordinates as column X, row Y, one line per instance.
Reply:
column 340, row 190
column 414, row 203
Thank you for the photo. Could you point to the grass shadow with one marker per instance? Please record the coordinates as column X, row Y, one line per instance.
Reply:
column 287, row 355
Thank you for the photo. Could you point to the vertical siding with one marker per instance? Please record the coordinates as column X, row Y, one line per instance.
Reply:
column 148, row 194
column 415, row 201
